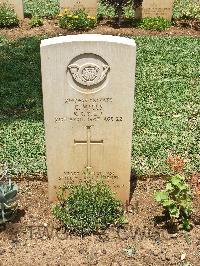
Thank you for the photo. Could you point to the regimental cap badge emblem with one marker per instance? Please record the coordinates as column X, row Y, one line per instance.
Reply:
column 89, row 74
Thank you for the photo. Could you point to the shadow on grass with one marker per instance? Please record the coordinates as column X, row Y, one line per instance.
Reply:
column 20, row 87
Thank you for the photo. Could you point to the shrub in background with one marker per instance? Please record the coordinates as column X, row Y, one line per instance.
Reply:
column 90, row 207
column 8, row 17
column 186, row 9
column 105, row 11
column 76, row 20
column 153, row 23
column 120, row 6
column 41, row 8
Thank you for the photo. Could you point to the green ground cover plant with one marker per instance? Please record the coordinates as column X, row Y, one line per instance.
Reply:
column 166, row 103
column 186, row 9
column 89, row 207
column 41, row 8
column 8, row 18
column 3, row 40
column 166, row 116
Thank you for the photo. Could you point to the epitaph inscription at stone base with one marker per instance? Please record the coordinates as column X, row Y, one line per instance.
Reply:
column 90, row 6
column 17, row 5
column 155, row 8
column 88, row 92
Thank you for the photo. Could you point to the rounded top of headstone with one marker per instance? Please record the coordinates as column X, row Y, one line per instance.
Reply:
column 88, row 38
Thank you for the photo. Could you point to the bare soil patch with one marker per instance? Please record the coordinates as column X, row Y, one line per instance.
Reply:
column 51, row 28
column 35, row 238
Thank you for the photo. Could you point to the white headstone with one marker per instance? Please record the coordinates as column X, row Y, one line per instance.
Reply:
column 90, row 6
column 155, row 8
column 17, row 5
column 88, row 93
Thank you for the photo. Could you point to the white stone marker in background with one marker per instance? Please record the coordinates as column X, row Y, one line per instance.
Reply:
column 88, row 93
column 17, row 5
column 89, row 5
column 155, row 8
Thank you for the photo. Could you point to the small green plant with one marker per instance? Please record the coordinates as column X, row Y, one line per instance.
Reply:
column 77, row 20
column 8, row 193
column 35, row 22
column 8, row 18
column 176, row 200
column 89, row 207
column 153, row 23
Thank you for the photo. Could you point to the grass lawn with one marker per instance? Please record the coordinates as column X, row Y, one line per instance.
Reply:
column 166, row 117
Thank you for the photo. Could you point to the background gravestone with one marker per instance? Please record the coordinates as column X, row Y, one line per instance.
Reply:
column 89, row 5
column 155, row 8
column 17, row 5
column 88, row 91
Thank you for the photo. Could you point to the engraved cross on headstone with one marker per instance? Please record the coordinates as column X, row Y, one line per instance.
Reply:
column 89, row 142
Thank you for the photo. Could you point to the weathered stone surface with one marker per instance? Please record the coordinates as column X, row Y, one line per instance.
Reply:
column 155, row 8
column 89, row 5
column 88, row 91
column 17, row 5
